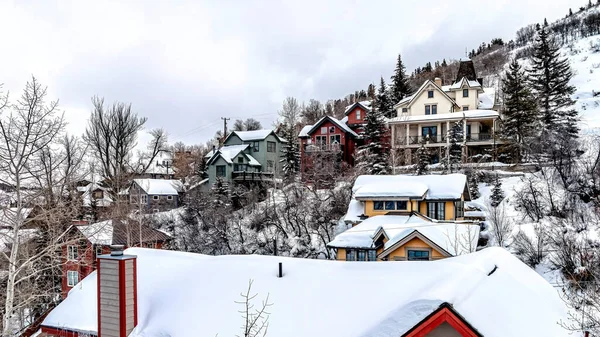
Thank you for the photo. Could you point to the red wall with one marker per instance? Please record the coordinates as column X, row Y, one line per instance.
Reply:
column 352, row 116
column 345, row 140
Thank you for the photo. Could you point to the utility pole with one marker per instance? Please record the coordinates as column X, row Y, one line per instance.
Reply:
column 224, row 128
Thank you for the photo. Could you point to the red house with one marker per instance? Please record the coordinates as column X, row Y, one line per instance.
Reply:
column 91, row 240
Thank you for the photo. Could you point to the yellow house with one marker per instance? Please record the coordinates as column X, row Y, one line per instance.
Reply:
column 401, row 217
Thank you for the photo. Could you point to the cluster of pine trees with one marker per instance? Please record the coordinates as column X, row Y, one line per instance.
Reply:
column 538, row 115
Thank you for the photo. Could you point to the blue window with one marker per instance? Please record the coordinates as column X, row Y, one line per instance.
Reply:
column 434, row 109
column 430, row 131
column 350, row 255
column 436, row 210
column 430, row 94
column 418, row 255
column 378, row 205
column 401, row 205
column 362, row 256
column 371, row 256
column 220, row 170
column 465, row 92
column 428, row 109
column 389, row 206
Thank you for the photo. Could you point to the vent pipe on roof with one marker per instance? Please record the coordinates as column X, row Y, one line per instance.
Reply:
column 280, row 274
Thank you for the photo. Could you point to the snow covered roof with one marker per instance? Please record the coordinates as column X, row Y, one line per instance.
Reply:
column 470, row 83
column 185, row 294
column 162, row 164
column 452, row 238
column 228, row 152
column 9, row 215
column 247, row 136
column 6, row 237
column 160, row 186
column 433, row 186
column 487, row 98
column 113, row 232
column 304, row 131
column 333, row 120
column 355, row 209
column 366, row 105
column 453, row 116
column 409, row 99
column 89, row 199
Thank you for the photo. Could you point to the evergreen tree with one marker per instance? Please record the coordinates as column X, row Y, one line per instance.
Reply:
column 423, row 158
column 290, row 160
column 497, row 193
column 473, row 182
column 399, row 88
column 221, row 192
column 570, row 12
column 550, row 75
column 519, row 114
column 371, row 91
column 455, row 148
column 383, row 103
column 372, row 157
column 444, row 64
column 545, row 22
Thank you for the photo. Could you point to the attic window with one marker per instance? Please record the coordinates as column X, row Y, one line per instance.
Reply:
column 324, row 130
column 430, row 94
column 404, row 109
column 465, row 92
column 357, row 114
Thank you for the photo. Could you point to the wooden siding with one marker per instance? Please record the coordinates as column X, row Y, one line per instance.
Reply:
column 400, row 253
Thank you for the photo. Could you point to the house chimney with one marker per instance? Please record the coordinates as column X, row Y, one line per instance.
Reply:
column 438, row 81
column 117, row 293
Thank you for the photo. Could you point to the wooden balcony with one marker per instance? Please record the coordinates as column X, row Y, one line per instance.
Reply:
column 323, row 148
column 251, row 176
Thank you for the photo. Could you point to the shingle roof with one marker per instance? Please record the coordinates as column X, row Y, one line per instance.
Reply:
column 116, row 232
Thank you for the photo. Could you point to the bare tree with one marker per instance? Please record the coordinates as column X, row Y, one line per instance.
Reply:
column 290, row 112
column 500, row 225
column 29, row 127
column 256, row 320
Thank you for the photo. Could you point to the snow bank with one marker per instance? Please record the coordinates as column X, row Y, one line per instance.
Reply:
column 183, row 294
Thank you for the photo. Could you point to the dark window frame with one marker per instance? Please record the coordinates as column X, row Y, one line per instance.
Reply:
column 417, row 255
column 436, row 210
column 427, row 109
column 392, row 203
column 405, row 202
column 271, row 147
column 429, row 93
column 375, row 203
column 221, row 170
column 465, row 93
column 255, row 146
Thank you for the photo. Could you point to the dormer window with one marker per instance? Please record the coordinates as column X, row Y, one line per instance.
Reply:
column 465, row 92
column 430, row 94
column 404, row 109
column 357, row 114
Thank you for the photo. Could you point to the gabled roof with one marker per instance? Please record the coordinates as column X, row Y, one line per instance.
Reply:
column 368, row 299
column 432, row 187
column 247, row 136
column 115, row 232
column 445, row 313
column 448, row 238
column 343, row 126
column 304, row 132
column 411, row 98
column 160, row 186
column 468, row 83
column 365, row 105
column 228, row 153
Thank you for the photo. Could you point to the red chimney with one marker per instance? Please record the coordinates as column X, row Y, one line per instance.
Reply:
column 117, row 293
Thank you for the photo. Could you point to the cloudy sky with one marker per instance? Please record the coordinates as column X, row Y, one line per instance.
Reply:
column 186, row 64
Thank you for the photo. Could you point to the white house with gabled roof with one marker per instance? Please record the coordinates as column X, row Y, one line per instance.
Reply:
column 428, row 115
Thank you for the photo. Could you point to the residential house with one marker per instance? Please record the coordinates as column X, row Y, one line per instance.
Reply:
column 429, row 114
column 88, row 241
column 96, row 199
column 160, row 168
column 247, row 156
column 397, row 218
column 156, row 195
column 489, row 293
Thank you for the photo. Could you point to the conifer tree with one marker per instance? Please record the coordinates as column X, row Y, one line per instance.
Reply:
column 382, row 102
column 473, row 182
column 497, row 193
column 371, row 91
column 423, row 158
column 520, row 111
column 372, row 157
column 399, row 87
column 455, row 148
column 550, row 75
column 290, row 160
column 220, row 191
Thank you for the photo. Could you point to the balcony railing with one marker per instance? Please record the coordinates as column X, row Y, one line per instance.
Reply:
column 442, row 139
column 251, row 176
column 323, row 147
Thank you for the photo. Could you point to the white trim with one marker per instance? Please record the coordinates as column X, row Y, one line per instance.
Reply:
column 169, row 197
column 72, row 275
column 72, row 253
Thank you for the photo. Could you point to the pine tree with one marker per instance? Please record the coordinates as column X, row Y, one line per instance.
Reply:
column 399, row 87
column 455, row 148
column 497, row 193
column 444, row 64
column 545, row 22
column 220, row 191
column 550, row 75
column 519, row 114
column 423, row 158
column 372, row 157
column 570, row 12
column 383, row 104
column 290, row 160
column 473, row 182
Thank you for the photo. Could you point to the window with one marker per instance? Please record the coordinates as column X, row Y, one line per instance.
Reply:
column 430, row 94
column 255, row 146
column 436, row 210
column 72, row 278
column 143, row 199
column 271, row 146
column 428, row 109
column 324, row 130
column 357, row 114
column 465, row 92
column 401, row 205
column 378, row 205
column 350, row 255
column 434, row 109
column 98, row 250
column 321, row 140
column 169, row 197
column 465, row 108
column 220, row 170
column 241, row 160
column 98, row 194
column 72, row 253
column 459, row 209
column 371, row 255
column 390, row 205
column 155, row 197
column 430, row 131
column 270, row 166
column 431, row 109
column 335, row 139
column 418, row 255
column 404, row 109
column 362, row 256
